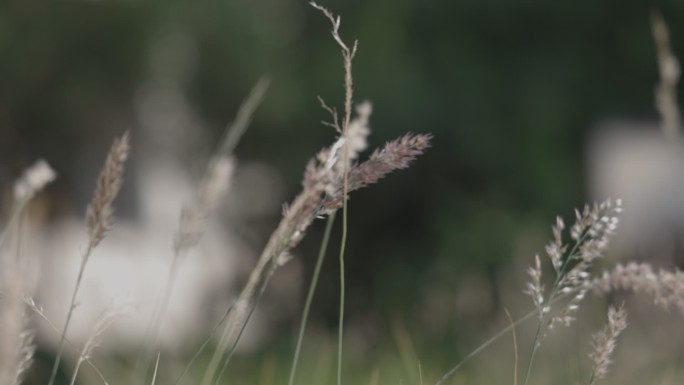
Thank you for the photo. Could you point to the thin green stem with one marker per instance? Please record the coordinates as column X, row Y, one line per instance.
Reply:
column 592, row 378
column 244, row 117
column 537, row 335
column 230, row 140
column 494, row 338
column 485, row 345
column 204, row 344
column 310, row 294
column 343, row 243
column 14, row 216
column 278, row 244
column 153, row 330
column 565, row 268
column 52, row 326
column 262, row 289
column 345, row 195
column 156, row 368
column 72, row 305
column 342, row 289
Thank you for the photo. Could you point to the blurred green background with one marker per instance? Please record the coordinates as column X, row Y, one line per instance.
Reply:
column 511, row 91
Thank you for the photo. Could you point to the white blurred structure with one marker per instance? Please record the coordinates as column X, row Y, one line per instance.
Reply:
column 635, row 162
column 130, row 268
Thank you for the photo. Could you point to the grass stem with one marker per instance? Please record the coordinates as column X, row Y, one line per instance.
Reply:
column 72, row 306
column 495, row 337
column 340, row 335
column 310, row 294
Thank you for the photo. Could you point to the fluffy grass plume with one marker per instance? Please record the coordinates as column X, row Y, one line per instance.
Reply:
column 99, row 219
column 100, row 213
column 16, row 335
column 605, row 341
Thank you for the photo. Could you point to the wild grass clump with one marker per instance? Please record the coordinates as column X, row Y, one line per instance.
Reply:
column 16, row 335
column 556, row 291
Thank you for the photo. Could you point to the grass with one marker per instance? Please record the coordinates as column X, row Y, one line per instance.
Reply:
column 558, row 284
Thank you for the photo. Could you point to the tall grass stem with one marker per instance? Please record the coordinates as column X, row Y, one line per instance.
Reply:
column 262, row 290
column 310, row 294
column 495, row 337
column 72, row 306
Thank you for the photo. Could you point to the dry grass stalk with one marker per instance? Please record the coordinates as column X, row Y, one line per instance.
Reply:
column 33, row 180
column 352, row 141
column 347, row 152
column 348, row 56
column 395, row 155
column 38, row 310
column 515, row 346
column 605, row 341
column 191, row 228
column 320, row 195
column 104, row 322
column 99, row 219
column 16, row 335
column 327, row 180
column 17, row 347
column 100, row 214
column 218, row 174
column 666, row 90
column 590, row 236
column 665, row 287
column 212, row 189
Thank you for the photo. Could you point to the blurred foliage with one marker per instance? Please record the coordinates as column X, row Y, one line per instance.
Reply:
column 511, row 91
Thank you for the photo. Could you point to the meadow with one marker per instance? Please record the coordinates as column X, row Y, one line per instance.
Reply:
column 567, row 313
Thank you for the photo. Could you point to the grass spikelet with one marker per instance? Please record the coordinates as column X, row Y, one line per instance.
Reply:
column 211, row 190
column 34, row 179
column 100, row 214
column 326, row 183
column 605, row 341
column 590, row 235
column 16, row 336
column 666, row 89
column 104, row 322
column 665, row 287
column 99, row 219
column 17, row 348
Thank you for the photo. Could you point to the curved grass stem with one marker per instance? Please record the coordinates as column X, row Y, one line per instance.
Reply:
column 72, row 306
column 495, row 338
column 310, row 294
column 340, row 335
column 259, row 295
